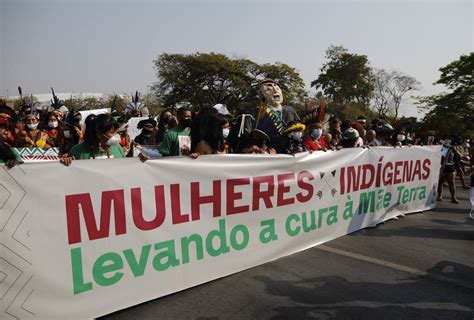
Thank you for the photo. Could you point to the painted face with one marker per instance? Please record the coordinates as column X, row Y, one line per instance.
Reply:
column 31, row 123
column 58, row 114
column 53, row 122
column 272, row 93
column 31, row 120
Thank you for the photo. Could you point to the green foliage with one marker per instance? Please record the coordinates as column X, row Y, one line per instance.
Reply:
column 205, row 79
column 354, row 109
column 153, row 104
column 453, row 113
column 17, row 103
column 346, row 77
column 459, row 74
column 86, row 103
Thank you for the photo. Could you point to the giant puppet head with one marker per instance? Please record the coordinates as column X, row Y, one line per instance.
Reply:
column 271, row 92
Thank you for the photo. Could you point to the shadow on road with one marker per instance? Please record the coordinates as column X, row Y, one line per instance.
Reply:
column 334, row 297
column 419, row 232
column 376, row 313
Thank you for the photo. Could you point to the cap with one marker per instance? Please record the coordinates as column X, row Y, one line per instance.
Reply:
column 221, row 109
column 350, row 133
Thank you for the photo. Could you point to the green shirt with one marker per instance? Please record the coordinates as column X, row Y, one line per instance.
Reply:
column 81, row 152
column 170, row 144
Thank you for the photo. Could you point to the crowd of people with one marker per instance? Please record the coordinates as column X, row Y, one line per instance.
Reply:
column 272, row 129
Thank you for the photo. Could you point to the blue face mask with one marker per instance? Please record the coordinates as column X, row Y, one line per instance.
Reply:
column 444, row 151
column 297, row 135
column 316, row 133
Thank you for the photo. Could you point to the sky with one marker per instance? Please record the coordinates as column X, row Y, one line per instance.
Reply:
column 109, row 46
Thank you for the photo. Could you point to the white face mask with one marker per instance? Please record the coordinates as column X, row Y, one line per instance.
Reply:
column 225, row 132
column 32, row 126
column 53, row 124
column 316, row 133
column 297, row 135
column 401, row 137
column 114, row 140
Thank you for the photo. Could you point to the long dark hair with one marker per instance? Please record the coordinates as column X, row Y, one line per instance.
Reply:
column 161, row 121
column 162, row 127
column 213, row 135
column 95, row 126
column 200, row 126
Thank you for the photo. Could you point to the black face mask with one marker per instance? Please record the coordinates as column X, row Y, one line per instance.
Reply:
column 147, row 130
column 186, row 123
column 166, row 120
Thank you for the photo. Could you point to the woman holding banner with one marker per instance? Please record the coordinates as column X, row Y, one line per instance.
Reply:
column 101, row 140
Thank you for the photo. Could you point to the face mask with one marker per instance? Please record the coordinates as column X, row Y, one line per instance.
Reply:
column 186, row 123
column 297, row 135
column 147, row 130
column 166, row 120
column 32, row 126
column 114, row 140
column 53, row 124
column 400, row 137
column 225, row 132
column 444, row 151
column 316, row 133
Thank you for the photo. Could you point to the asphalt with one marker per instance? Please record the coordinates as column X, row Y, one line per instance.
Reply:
column 417, row 267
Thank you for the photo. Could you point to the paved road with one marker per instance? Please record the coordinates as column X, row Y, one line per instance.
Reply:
column 418, row 267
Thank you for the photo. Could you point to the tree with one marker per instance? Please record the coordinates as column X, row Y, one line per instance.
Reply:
column 452, row 113
column 204, row 80
column 399, row 85
column 346, row 77
column 200, row 79
column 381, row 93
column 389, row 90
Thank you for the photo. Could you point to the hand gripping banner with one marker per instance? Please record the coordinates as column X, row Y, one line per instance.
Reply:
column 102, row 235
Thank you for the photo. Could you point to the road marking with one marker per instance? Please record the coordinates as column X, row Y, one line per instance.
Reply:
column 396, row 266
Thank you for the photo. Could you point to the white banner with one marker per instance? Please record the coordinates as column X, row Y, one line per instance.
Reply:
column 132, row 129
column 86, row 113
column 109, row 234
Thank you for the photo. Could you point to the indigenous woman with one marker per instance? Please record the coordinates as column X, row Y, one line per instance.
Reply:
column 101, row 140
column 166, row 122
column 53, row 130
column 33, row 136
column 213, row 139
column 314, row 139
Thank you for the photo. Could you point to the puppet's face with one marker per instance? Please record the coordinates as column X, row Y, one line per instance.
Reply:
column 272, row 93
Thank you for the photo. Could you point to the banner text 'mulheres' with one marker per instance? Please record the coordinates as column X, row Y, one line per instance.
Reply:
column 271, row 191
